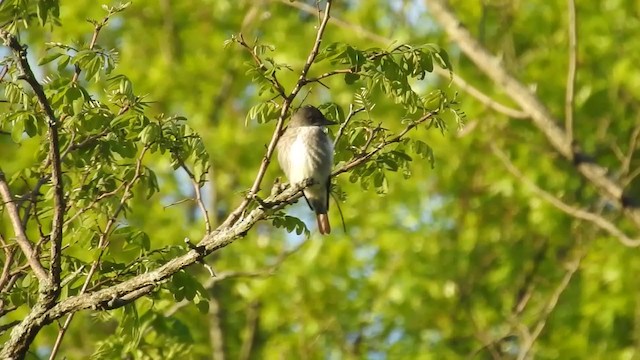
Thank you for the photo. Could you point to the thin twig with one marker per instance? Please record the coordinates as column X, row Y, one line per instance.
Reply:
column 526, row 290
column 13, row 278
column 3, row 72
column 84, row 143
column 483, row 98
column 551, row 304
column 94, row 201
column 329, row 74
column 571, row 71
column 9, row 251
column 198, row 193
column 352, row 112
column 21, row 236
column 272, row 78
column 249, row 336
column 261, row 273
column 94, row 38
column 216, row 334
column 7, row 326
column 353, row 28
column 33, row 199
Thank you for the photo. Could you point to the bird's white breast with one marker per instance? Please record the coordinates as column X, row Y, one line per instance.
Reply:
column 303, row 163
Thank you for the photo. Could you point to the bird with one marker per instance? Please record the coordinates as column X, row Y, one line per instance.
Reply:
column 305, row 151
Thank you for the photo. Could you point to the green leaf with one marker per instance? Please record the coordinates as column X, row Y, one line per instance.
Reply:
column 64, row 62
column 332, row 52
column 351, row 78
column 424, row 151
column 203, row 306
column 49, row 58
column 17, row 130
column 263, row 113
column 444, row 59
column 43, row 11
column 150, row 133
column 31, row 125
column 77, row 105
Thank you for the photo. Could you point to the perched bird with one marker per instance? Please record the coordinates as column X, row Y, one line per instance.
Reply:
column 306, row 151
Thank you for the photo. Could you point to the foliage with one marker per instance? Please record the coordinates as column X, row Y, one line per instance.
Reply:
column 454, row 246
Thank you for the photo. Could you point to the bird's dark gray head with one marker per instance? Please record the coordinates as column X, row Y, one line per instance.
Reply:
column 309, row 116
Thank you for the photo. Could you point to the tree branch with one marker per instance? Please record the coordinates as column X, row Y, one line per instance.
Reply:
column 20, row 52
column 540, row 115
column 625, row 167
column 198, row 193
column 97, row 26
column 352, row 112
column 140, row 285
column 272, row 79
column 9, row 252
column 483, row 98
column 236, row 226
column 261, row 273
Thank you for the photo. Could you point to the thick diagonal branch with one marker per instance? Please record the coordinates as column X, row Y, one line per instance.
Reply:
column 127, row 291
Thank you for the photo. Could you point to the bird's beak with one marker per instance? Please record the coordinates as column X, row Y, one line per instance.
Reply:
column 327, row 122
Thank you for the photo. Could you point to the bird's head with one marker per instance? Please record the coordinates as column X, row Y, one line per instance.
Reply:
column 309, row 116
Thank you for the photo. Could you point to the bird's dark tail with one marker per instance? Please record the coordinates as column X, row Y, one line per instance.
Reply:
column 323, row 224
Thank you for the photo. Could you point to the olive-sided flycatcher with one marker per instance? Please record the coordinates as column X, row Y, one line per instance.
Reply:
column 306, row 151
